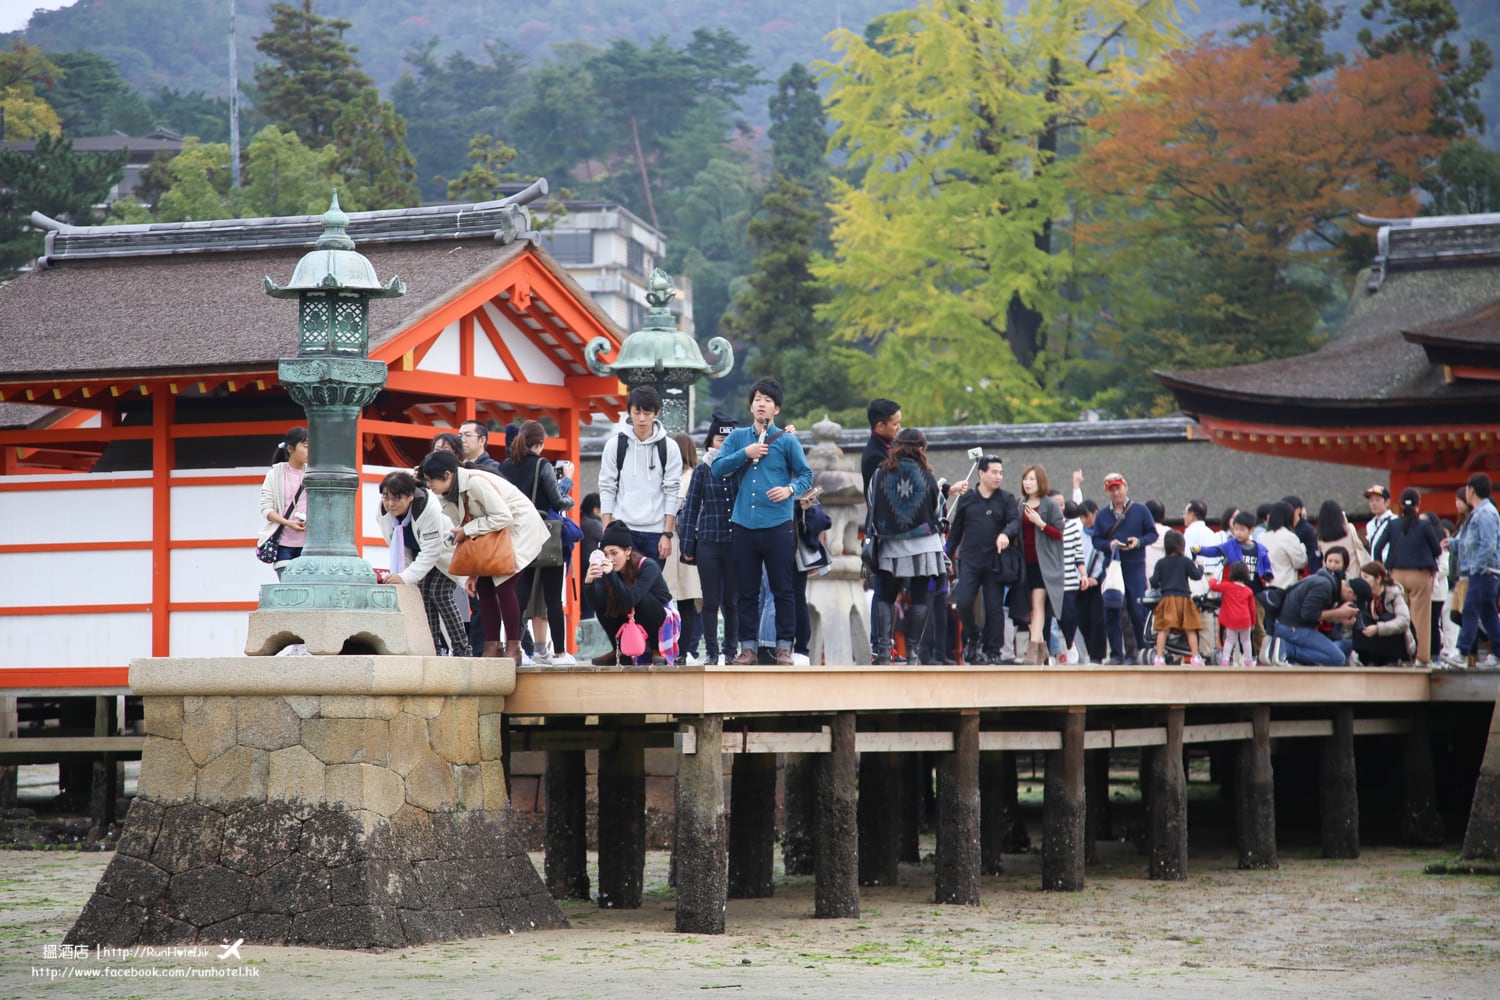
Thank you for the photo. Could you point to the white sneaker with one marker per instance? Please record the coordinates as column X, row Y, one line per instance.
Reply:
column 721, row 659
column 692, row 661
column 1488, row 663
column 564, row 659
column 800, row 660
column 1454, row 660
column 526, row 660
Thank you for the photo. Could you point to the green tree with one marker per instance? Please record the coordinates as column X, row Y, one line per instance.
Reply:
column 284, row 177
column 443, row 101
column 956, row 115
column 192, row 114
column 92, row 98
column 200, row 184
column 558, row 124
column 1299, row 28
column 58, row 182
column 1467, row 180
column 378, row 170
column 313, row 74
column 799, row 142
column 1429, row 27
column 488, row 158
column 775, row 313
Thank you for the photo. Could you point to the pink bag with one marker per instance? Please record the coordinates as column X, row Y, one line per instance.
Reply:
column 632, row 638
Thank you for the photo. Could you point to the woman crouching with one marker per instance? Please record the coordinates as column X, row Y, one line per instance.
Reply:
column 417, row 531
column 620, row 581
column 480, row 502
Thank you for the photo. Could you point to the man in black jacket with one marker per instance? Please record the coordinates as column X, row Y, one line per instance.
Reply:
column 986, row 521
column 885, row 424
column 1321, row 597
column 475, row 437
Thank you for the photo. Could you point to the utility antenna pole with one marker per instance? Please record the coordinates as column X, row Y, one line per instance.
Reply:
column 234, row 104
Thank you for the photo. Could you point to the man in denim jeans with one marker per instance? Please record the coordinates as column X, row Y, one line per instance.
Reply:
column 772, row 470
column 1479, row 560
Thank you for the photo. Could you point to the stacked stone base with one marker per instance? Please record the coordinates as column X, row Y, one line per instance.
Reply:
column 275, row 873
column 337, row 820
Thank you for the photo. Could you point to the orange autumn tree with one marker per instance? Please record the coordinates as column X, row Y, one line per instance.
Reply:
column 1229, row 214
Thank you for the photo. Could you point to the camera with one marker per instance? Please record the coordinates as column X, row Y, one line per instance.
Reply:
column 975, row 454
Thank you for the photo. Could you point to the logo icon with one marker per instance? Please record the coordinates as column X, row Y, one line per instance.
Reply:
column 232, row 950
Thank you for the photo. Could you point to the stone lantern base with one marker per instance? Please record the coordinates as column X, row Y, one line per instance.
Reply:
column 372, row 814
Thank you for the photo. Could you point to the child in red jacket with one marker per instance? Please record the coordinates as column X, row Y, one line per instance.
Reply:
column 1236, row 613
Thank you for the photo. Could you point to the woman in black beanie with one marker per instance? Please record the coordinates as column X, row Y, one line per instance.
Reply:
column 620, row 581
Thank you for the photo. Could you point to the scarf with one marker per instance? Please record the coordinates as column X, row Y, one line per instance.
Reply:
column 398, row 542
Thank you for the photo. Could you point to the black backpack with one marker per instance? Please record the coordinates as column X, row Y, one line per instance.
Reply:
column 621, row 445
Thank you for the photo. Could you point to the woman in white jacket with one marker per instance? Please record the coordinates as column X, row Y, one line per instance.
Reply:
column 283, row 501
column 480, row 502
column 416, row 529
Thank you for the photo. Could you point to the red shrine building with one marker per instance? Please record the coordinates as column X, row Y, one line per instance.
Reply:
column 1409, row 383
column 139, row 410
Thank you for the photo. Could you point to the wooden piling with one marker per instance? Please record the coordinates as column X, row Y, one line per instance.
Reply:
column 104, row 786
column 702, row 864
column 1096, row 800
column 836, row 878
column 565, row 839
column 1063, row 807
column 1338, row 789
column 1167, row 810
column 992, row 818
column 622, row 817
column 1420, row 822
column 1255, row 795
column 752, row 826
column 883, row 811
column 799, row 780
column 956, row 875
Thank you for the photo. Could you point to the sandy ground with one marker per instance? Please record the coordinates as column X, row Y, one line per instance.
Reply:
column 1366, row 928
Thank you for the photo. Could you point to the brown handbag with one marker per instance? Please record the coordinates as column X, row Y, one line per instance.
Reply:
column 489, row 554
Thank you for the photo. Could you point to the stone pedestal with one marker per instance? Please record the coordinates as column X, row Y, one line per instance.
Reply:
column 836, row 600
column 394, row 622
column 340, row 801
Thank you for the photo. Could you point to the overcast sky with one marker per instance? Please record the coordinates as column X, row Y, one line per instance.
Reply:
column 15, row 13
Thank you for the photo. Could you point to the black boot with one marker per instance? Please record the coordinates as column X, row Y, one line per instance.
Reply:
column 884, row 623
column 916, row 624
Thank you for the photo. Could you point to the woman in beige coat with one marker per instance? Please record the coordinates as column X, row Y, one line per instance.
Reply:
column 481, row 502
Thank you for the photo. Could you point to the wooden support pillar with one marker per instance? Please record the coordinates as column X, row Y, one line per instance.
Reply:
column 1167, row 812
column 956, row 876
column 9, row 727
column 1420, row 823
column 702, row 865
column 836, row 879
column 992, row 818
column 913, row 774
column 1482, row 836
column 799, row 779
column 1338, row 790
column 565, row 839
column 752, row 826
column 1063, row 806
column 104, row 789
column 622, row 817
column 1255, row 795
column 1096, row 798
column 883, row 814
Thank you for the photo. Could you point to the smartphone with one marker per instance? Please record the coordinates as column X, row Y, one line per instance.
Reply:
column 811, row 494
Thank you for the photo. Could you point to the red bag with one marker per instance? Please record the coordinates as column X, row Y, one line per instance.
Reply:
column 632, row 638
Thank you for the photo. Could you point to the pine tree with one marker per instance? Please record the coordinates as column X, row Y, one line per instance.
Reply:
column 92, row 98
column 378, row 170
column 799, row 141
column 56, row 181
column 314, row 74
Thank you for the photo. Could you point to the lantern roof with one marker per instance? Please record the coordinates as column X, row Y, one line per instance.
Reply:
column 334, row 265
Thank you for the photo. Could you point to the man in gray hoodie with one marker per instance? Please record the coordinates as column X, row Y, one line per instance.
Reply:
column 640, row 475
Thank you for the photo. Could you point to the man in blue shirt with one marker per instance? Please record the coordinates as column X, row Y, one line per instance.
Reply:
column 1122, row 531
column 772, row 470
column 1479, row 560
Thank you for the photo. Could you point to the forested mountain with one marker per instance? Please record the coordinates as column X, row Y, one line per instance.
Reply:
column 181, row 44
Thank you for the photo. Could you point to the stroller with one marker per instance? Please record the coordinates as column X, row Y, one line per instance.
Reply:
column 1177, row 650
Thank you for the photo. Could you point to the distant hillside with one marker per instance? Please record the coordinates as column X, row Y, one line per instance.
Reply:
column 183, row 43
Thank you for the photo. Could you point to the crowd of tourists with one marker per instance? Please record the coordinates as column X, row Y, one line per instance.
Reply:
column 705, row 556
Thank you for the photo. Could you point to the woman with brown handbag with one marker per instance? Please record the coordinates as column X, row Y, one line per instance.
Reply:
column 499, row 534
